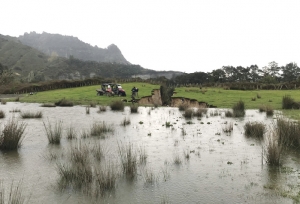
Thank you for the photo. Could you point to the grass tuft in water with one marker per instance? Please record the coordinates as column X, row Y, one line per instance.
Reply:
column 188, row 113
column 3, row 101
column 29, row 114
column 106, row 178
column 117, row 105
column 12, row 135
column 48, row 105
column 2, row 114
column 71, row 133
column 239, row 109
column 228, row 128
column 99, row 129
column 14, row 195
column 125, row 122
column 102, row 109
column 64, row 102
column 87, row 110
column 15, row 110
column 134, row 109
column 254, row 129
column 128, row 158
column 54, row 133
column 273, row 150
column 288, row 132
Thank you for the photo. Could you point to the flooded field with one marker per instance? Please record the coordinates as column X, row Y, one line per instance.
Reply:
column 178, row 160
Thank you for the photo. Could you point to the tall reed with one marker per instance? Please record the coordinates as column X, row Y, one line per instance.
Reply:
column 288, row 132
column 128, row 158
column 54, row 133
column 273, row 150
column 12, row 135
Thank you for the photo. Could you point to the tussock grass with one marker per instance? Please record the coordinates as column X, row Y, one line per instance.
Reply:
column 54, row 133
column 2, row 114
column 93, row 105
column 128, row 158
column 71, row 133
column 273, row 150
column 12, row 135
column 87, row 110
column 106, row 178
column 254, row 129
column 239, row 109
column 228, row 128
column 102, row 109
column 182, row 107
column 3, row 101
column 15, row 110
column 14, row 195
column 229, row 114
column 99, row 129
column 266, row 108
column 134, row 109
column 64, row 102
column 288, row 132
column 289, row 103
column 48, row 105
column 30, row 114
column 188, row 113
column 117, row 105
column 125, row 122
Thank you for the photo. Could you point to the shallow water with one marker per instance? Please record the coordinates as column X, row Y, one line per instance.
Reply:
column 222, row 168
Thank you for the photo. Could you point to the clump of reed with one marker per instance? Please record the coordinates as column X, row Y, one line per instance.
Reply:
column 273, row 150
column 100, row 128
column 71, row 133
column 98, row 151
column 14, row 195
column 87, row 110
column 117, row 105
column 77, row 171
column 268, row 109
column 15, row 110
column 12, row 135
column 128, row 158
column 254, row 129
column 142, row 155
column 288, row 132
column 106, row 177
column 134, row 109
column 102, row 109
column 149, row 176
column 93, row 105
column 54, row 133
column 200, row 112
column 64, row 102
column 177, row 159
column 182, row 107
column 49, row 105
column 229, row 114
column 125, row 122
column 85, row 134
column 3, row 101
column 2, row 114
column 188, row 113
column 239, row 109
column 289, row 103
column 228, row 128
column 30, row 114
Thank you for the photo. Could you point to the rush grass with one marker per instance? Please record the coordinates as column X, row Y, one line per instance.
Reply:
column 255, row 129
column 100, row 128
column 54, row 133
column 12, row 135
column 117, row 106
column 128, row 157
column 31, row 114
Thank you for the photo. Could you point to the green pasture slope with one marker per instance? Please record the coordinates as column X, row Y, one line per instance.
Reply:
column 86, row 95
column 213, row 96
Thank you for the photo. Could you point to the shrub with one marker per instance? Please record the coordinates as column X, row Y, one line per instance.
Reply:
column 254, row 129
column 64, row 102
column 54, row 134
column 239, row 109
column 117, row 105
column 29, row 114
column 12, row 135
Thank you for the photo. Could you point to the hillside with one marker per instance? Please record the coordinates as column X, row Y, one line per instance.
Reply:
column 66, row 46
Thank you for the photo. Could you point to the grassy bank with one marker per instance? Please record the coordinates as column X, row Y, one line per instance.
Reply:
column 213, row 96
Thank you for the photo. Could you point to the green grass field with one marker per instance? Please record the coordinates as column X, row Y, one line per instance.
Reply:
column 213, row 96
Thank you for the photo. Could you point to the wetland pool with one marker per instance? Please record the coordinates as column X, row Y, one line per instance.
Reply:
column 190, row 161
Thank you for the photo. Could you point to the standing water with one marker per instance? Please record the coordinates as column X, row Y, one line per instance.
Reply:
column 178, row 160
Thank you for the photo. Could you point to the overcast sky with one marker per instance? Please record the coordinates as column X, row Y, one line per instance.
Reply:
column 188, row 36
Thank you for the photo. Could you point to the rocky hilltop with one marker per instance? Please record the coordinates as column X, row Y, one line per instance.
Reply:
column 66, row 46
